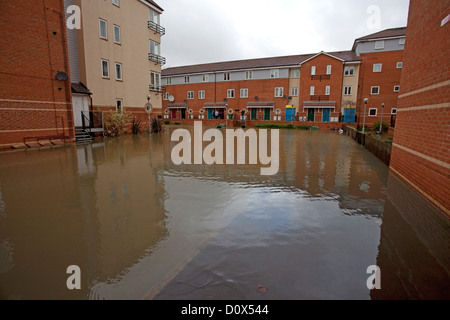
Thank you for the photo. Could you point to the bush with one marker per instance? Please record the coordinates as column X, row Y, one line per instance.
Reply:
column 303, row 127
column 156, row 126
column 376, row 126
column 274, row 126
column 116, row 124
column 136, row 126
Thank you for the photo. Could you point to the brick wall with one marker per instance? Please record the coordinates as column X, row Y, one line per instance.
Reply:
column 33, row 49
column 421, row 149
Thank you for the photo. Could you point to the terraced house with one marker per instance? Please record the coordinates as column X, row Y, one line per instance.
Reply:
column 323, row 88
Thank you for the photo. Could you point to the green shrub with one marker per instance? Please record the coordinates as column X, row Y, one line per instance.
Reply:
column 376, row 126
column 166, row 122
column 304, row 127
column 116, row 124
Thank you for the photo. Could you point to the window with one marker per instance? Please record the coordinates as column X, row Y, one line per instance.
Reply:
column 230, row 93
column 294, row 92
column 399, row 65
column 166, row 96
column 379, row 45
column 295, row 73
column 396, row 88
column 329, row 69
column 327, row 90
column 274, row 73
column 116, row 34
column 375, row 90
column 115, row 2
column 347, row 91
column 155, row 81
column 248, row 75
column 105, row 68
column 205, row 78
column 313, row 70
column 244, row 93
column 401, row 41
column 118, row 71
column 154, row 48
column 226, row 76
column 169, row 81
column 119, row 107
column 154, row 16
column 349, row 71
column 311, row 91
column 190, row 95
column 279, row 92
column 103, row 29
column 377, row 67
column 187, row 79
column 373, row 112
column 394, row 111
column 201, row 94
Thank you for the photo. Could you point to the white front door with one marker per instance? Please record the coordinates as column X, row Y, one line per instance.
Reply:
column 80, row 104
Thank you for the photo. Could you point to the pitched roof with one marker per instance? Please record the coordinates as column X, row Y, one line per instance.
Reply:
column 154, row 4
column 80, row 88
column 388, row 33
column 272, row 62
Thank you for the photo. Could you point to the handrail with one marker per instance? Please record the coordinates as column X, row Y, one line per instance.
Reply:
column 157, row 58
column 157, row 28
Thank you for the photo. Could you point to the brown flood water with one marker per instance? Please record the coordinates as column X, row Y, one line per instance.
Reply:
column 140, row 227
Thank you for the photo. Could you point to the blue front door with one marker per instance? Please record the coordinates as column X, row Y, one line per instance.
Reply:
column 290, row 114
column 210, row 114
column 349, row 115
column 326, row 115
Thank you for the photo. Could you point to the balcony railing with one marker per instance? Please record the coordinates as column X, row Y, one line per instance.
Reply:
column 157, row 88
column 157, row 58
column 320, row 98
column 321, row 77
column 157, row 28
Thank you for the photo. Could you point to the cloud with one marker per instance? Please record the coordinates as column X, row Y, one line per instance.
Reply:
column 203, row 31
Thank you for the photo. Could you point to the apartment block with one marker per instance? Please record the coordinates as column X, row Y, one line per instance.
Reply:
column 118, row 56
column 421, row 148
column 35, row 94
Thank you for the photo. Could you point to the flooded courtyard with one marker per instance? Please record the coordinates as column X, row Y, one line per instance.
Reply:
column 141, row 227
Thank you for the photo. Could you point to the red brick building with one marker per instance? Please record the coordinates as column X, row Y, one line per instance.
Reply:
column 421, row 149
column 35, row 93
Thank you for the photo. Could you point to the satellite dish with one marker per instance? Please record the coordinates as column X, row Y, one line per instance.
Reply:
column 171, row 98
column 148, row 108
column 62, row 76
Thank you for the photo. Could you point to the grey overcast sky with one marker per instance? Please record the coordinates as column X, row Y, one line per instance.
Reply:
column 203, row 31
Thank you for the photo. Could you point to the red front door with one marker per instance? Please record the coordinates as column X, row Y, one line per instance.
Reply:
column 174, row 113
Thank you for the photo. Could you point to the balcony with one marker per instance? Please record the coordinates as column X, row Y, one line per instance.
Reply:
column 321, row 77
column 157, row 28
column 157, row 88
column 156, row 58
column 320, row 98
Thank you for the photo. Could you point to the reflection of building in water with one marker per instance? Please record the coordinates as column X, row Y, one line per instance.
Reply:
column 414, row 249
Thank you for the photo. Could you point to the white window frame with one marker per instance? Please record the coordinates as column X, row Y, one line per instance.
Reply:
column 152, row 15
column 371, row 90
column 397, row 88
column 121, row 105
column 394, row 111
column 294, row 92
column 156, row 48
column 187, row 79
column 226, row 76
column 190, row 95
column 349, row 71
column 100, row 28
column 400, row 65
column 201, row 94
column 274, row 73
column 279, row 92
column 155, row 80
column 402, row 41
column 244, row 93
column 168, row 81
column 313, row 70
column 312, row 90
column 116, row 3
column 327, row 90
column 116, row 27
column 379, row 45
column 121, row 71
column 230, row 93
column 295, row 73
column 375, row 67
column 249, row 75
column 166, row 96
column 329, row 68
column 347, row 90
column 107, row 66
column 205, row 77
column 376, row 112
